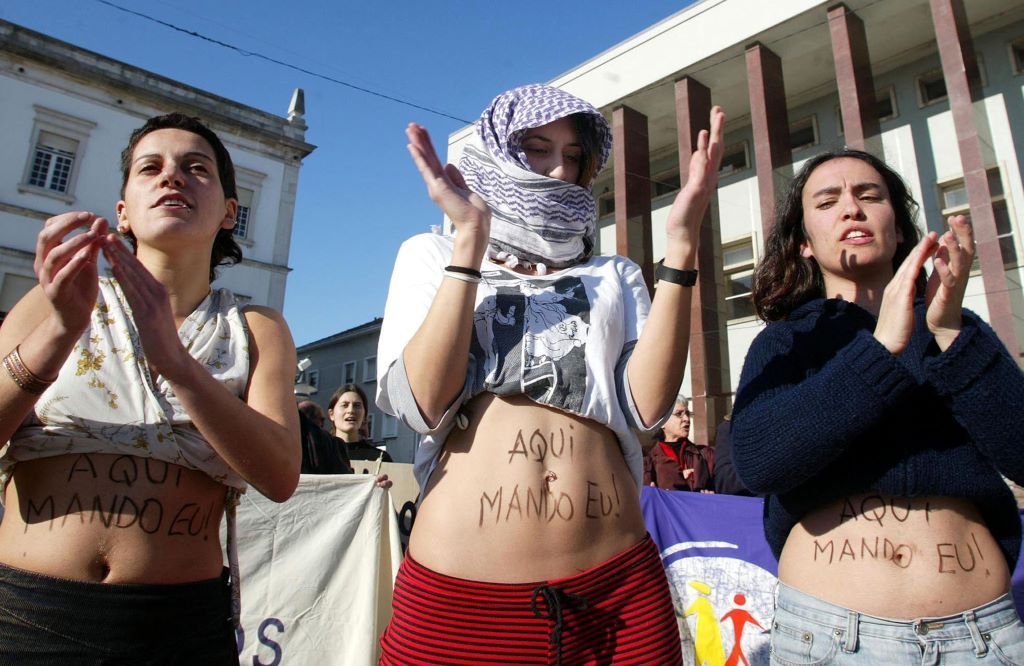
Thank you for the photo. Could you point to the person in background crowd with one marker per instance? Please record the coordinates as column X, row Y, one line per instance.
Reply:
column 321, row 453
column 135, row 409
column 675, row 462
column 876, row 414
column 312, row 412
column 528, row 363
column 348, row 412
column 726, row 480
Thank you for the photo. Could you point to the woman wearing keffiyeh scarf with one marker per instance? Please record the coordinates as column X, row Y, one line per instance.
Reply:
column 529, row 364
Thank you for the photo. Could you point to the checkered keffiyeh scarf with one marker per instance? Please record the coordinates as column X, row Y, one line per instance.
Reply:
column 534, row 219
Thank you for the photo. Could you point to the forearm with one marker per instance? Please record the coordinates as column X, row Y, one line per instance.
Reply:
column 985, row 388
column 264, row 451
column 437, row 356
column 43, row 351
column 658, row 362
column 787, row 426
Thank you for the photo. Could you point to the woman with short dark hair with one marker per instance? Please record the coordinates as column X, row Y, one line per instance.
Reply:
column 138, row 407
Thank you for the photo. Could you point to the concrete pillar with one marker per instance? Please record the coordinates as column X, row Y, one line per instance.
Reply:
column 770, row 124
column 855, row 84
column 963, row 85
column 632, row 165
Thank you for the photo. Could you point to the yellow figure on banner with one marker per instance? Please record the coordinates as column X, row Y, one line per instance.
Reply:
column 707, row 636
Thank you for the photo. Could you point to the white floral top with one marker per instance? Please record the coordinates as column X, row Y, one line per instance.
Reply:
column 106, row 401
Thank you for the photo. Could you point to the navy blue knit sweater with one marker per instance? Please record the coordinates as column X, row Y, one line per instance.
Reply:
column 824, row 411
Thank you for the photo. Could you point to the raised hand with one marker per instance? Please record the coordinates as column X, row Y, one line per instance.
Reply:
column 948, row 282
column 67, row 268
column 151, row 310
column 447, row 188
column 687, row 210
column 896, row 313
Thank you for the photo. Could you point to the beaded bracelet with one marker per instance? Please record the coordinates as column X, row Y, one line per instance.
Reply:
column 22, row 376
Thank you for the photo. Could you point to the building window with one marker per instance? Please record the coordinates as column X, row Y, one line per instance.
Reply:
column 953, row 200
column 885, row 104
column 390, row 427
column 249, row 186
column 370, row 420
column 665, row 183
column 58, row 143
column 1017, row 55
column 735, row 158
column 370, row 369
column 931, row 87
column 803, row 133
column 885, row 107
column 245, row 203
column 54, row 158
column 606, row 203
column 348, row 373
column 314, row 378
column 738, row 270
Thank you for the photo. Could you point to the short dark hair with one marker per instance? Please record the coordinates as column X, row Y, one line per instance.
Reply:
column 225, row 250
column 785, row 279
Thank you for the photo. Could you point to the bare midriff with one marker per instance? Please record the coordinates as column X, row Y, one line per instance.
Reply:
column 896, row 557
column 526, row 493
column 113, row 519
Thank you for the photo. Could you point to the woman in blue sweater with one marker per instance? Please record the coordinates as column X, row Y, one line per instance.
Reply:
column 877, row 416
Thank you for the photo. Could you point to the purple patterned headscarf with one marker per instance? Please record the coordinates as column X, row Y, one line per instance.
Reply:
column 534, row 218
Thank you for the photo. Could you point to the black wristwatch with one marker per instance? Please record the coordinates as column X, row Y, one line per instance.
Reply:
column 686, row 278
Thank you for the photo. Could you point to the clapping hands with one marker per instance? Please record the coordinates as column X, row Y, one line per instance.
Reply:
column 954, row 253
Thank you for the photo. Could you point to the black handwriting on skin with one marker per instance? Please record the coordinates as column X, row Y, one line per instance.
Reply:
column 846, row 550
column 125, row 470
column 150, row 515
column 955, row 557
column 542, row 505
column 538, row 448
column 601, row 504
column 875, row 508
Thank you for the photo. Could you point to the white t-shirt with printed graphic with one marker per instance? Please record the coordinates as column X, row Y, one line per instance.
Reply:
column 562, row 340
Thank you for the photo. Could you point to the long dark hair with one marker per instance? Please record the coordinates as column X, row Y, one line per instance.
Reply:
column 785, row 279
column 225, row 250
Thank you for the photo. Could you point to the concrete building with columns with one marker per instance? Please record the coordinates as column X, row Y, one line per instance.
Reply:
column 65, row 115
column 936, row 87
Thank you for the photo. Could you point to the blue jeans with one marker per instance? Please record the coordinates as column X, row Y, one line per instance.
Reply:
column 48, row 621
column 807, row 630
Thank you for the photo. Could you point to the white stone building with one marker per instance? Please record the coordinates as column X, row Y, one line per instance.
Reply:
column 66, row 114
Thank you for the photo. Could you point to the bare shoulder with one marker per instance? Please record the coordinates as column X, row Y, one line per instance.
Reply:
column 263, row 320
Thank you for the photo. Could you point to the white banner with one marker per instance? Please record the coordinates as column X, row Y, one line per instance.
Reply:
column 317, row 572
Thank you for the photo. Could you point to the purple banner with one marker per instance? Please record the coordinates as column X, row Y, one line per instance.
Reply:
column 722, row 573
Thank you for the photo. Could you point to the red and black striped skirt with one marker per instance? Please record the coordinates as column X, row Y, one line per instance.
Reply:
column 617, row 612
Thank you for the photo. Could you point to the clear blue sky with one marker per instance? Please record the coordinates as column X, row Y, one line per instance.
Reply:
column 359, row 195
